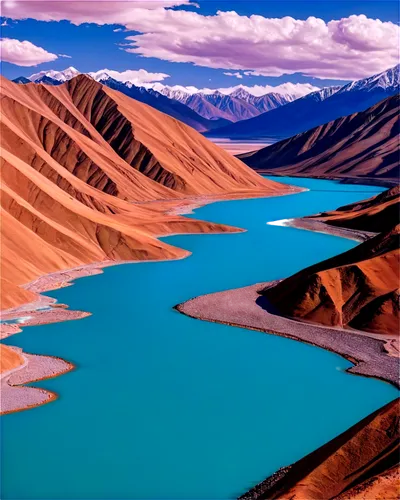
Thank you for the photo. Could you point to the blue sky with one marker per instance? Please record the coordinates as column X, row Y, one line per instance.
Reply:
column 92, row 47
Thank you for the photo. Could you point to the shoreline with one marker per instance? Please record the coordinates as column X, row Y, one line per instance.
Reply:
column 367, row 181
column 16, row 396
column 46, row 310
column 372, row 355
column 318, row 226
column 245, row 308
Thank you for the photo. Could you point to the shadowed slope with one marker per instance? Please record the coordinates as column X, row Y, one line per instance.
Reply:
column 358, row 288
column 351, row 459
column 375, row 214
column 364, row 144
column 89, row 174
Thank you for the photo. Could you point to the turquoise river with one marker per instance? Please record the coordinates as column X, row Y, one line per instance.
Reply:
column 162, row 406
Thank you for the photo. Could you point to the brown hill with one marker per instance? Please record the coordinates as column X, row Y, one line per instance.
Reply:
column 89, row 175
column 358, row 288
column 362, row 145
column 376, row 214
column 362, row 459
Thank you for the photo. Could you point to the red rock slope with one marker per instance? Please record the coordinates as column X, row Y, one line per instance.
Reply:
column 358, row 288
column 360, row 462
column 364, row 144
column 88, row 175
column 376, row 214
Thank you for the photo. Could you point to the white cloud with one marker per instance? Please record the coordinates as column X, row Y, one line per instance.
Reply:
column 135, row 76
column 237, row 74
column 64, row 55
column 23, row 53
column 4, row 23
column 88, row 11
column 117, row 30
column 349, row 48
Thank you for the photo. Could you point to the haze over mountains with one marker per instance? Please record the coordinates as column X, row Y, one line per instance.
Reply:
column 361, row 145
column 90, row 175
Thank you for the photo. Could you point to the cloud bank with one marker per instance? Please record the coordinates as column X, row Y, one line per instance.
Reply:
column 24, row 53
column 349, row 48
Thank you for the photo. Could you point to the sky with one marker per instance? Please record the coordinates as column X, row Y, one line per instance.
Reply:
column 210, row 44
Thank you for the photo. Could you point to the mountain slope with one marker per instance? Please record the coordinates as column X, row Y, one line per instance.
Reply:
column 316, row 108
column 358, row 288
column 83, row 168
column 147, row 96
column 351, row 462
column 235, row 106
column 375, row 214
column 236, row 109
column 203, row 107
column 364, row 144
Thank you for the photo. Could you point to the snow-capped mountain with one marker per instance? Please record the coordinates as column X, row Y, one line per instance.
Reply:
column 388, row 80
column 234, row 104
column 317, row 108
column 321, row 95
column 60, row 76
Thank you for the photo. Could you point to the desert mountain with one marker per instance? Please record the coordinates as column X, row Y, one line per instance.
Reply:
column 220, row 108
column 359, row 464
column 364, row 144
column 317, row 108
column 358, row 288
column 90, row 175
column 374, row 215
column 148, row 96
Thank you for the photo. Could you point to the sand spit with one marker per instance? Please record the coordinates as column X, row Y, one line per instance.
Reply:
column 318, row 226
column 244, row 307
column 15, row 396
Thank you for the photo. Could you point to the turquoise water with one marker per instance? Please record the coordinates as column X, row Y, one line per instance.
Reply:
column 163, row 406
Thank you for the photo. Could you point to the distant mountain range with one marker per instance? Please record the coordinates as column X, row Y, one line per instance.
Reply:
column 207, row 110
column 237, row 113
column 364, row 144
column 316, row 108
column 239, row 105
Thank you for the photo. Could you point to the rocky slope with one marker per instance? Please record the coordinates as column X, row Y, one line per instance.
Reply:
column 360, row 462
column 90, row 175
column 358, row 288
column 361, row 145
column 374, row 215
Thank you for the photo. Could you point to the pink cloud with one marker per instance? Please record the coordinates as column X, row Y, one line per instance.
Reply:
column 348, row 48
column 351, row 48
column 23, row 53
column 79, row 12
column 236, row 74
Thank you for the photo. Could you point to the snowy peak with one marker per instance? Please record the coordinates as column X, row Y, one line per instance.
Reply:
column 388, row 80
column 60, row 76
column 323, row 94
column 99, row 75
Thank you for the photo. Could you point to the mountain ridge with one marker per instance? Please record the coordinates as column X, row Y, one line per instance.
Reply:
column 316, row 108
column 360, row 146
column 90, row 175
